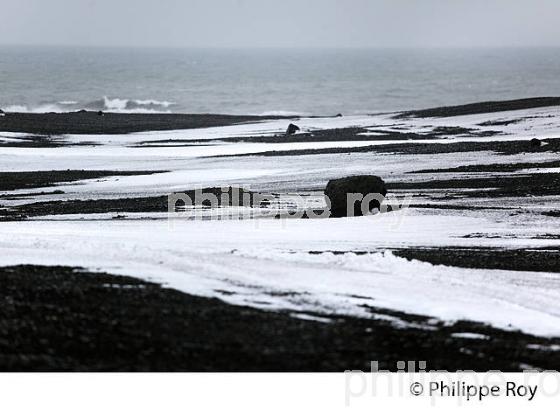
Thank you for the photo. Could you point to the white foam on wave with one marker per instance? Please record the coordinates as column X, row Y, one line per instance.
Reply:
column 154, row 102
column 121, row 105
column 281, row 113
column 117, row 105
column 15, row 108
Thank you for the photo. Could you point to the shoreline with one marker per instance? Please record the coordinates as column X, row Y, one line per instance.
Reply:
column 89, row 122
column 489, row 203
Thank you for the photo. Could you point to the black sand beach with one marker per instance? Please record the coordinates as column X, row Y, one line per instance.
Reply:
column 62, row 318
column 484, row 107
column 90, row 122
column 40, row 179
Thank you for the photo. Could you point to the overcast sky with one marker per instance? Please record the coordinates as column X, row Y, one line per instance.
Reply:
column 281, row 23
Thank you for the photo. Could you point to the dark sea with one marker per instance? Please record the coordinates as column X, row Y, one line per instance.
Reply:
column 308, row 82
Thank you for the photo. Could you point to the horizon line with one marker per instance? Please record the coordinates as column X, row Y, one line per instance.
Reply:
column 277, row 47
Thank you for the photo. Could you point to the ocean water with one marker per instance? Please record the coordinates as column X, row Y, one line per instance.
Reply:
column 308, row 82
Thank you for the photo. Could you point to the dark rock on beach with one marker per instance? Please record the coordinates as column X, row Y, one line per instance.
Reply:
column 292, row 129
column 337, row 191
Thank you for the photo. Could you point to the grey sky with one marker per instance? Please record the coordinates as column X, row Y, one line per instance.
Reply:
column 281, row 23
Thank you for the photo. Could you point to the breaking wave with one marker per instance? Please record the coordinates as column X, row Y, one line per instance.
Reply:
column 119, row 105
column 283, row 113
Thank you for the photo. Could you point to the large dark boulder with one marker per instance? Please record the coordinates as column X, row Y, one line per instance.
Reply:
column 337, row 191
column 292, row 128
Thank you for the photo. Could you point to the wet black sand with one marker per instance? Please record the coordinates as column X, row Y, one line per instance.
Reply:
column 519, row 185
column 531, row 260
column 329, row 135
column 544, row 259
column 484, row 107
column 500, row 147
column 110, row 123
column 493, row 167
column 39, row 179
column 158, row 203
column 59, row 318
